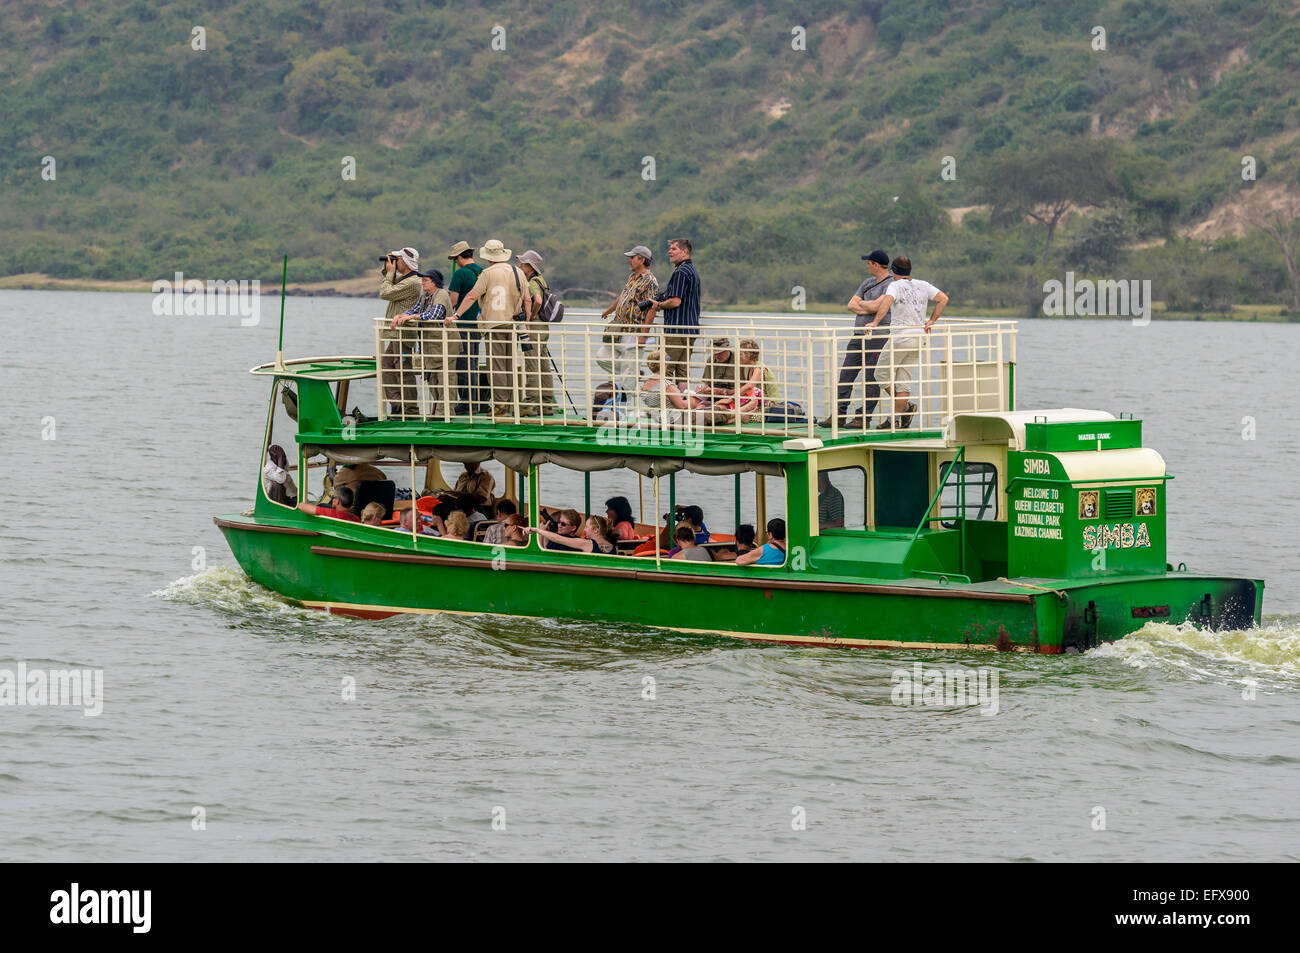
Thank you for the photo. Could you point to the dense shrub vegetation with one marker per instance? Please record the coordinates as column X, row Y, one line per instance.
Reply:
column 783, row 165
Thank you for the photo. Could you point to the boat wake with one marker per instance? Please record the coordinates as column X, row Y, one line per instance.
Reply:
column 227, row 589
column 1269, row 656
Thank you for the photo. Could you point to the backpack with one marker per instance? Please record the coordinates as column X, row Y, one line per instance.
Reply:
column 552, row 309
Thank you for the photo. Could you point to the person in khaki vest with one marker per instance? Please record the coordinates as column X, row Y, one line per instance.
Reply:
column 439, row 345
column 501, row 295
column 538, row 378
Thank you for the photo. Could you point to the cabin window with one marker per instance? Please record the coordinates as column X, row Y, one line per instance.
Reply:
column 981, row 493
column 842, row 498
column 722, row 512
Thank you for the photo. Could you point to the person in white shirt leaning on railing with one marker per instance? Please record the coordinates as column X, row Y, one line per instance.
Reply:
column 905, row 300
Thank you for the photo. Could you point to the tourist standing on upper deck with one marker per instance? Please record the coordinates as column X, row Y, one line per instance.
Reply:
column 504, row 307
column 906, row 299
column 471, row 387
column 863, row 350
column 680, row 302
column 401, row 289
column 537, row 362
column 631, row 311
column 439, row 345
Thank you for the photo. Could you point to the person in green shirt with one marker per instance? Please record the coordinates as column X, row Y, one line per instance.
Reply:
column 471, row 383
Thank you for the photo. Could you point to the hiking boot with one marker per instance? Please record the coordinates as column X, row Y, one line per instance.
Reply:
column 908, row 414
column 828, row 423
column 857, row 423
column 460, row 410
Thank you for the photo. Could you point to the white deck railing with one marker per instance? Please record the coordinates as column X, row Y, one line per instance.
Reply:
column 581, row 378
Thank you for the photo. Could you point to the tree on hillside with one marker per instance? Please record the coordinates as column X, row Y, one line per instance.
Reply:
column 325, row 81
column 1283, row 226
column 1044, row 184
column 1099, row 244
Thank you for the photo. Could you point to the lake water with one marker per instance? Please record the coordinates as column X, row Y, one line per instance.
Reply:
column 224, row 702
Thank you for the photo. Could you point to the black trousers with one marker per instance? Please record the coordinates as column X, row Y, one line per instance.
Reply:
column 471, row 383
column 860, row 357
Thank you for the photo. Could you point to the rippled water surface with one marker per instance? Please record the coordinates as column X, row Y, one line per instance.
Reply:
column 219, row 695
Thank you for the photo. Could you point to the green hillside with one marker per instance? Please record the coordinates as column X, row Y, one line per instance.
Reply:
column 783, row 165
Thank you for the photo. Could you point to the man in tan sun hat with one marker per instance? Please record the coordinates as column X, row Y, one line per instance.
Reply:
column 500, row 294
column 401, row 289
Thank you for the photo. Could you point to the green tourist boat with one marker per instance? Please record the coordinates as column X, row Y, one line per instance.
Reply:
column 972, row 525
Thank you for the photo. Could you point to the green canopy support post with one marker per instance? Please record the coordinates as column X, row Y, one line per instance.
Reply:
column 672, row 502
column 586, row 493
column 736, row 499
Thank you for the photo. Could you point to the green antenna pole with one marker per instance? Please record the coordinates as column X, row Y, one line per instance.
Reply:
column 279, row 352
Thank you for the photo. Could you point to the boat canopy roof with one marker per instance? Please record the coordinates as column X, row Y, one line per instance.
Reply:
column 1008, row 427
column 321, row 368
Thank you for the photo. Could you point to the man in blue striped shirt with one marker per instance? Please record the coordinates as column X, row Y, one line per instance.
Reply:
column 680, row 302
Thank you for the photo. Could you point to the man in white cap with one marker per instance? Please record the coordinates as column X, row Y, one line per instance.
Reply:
column 503, row 300
column 631, row 311
column 401, row 289
column 537, row 362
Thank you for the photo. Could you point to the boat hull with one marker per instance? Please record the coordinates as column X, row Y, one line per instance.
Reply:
column 341, row 574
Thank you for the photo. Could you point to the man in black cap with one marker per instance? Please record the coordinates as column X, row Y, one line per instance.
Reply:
column 864, row 347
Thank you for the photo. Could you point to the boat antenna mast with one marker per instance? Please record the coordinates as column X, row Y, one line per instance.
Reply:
column 279, row 352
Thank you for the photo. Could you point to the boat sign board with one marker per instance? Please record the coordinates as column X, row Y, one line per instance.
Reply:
column 1093, row 435
column 1066, row 528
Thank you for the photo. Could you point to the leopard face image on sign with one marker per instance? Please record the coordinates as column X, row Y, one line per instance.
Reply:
column 1089, row 504
column 1146, row 501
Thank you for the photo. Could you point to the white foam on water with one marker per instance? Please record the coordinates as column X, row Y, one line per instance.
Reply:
column 227, row 588
column 1269, row 654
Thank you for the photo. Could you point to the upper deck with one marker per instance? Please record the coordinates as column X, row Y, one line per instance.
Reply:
column 965, row 365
